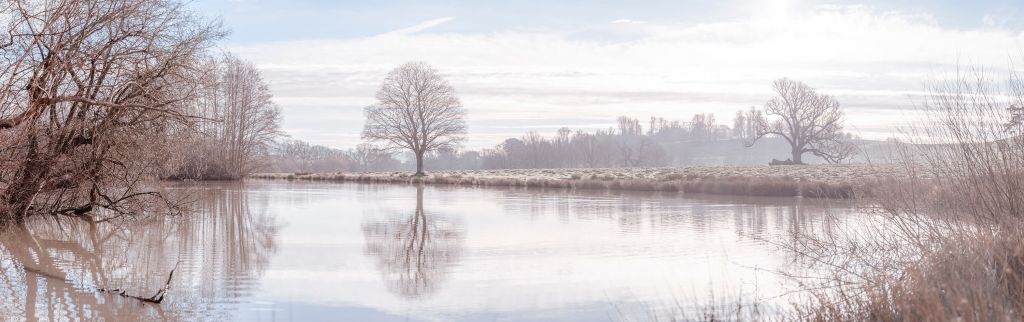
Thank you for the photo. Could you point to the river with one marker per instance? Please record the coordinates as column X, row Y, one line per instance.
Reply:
column 302, row 251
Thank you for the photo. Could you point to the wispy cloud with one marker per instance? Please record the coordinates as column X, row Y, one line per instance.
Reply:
column 872, row 60
column 627, row 21
column 419, row 27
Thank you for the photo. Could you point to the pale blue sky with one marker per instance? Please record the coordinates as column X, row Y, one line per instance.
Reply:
column 272, row 20
column 537, row 65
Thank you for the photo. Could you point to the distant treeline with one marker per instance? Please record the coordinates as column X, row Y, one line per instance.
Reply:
column 630, row 143
column 626, row 145
column 299, row 156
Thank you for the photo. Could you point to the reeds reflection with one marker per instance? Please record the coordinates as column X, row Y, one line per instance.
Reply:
column 414, row 252
column 51, row 269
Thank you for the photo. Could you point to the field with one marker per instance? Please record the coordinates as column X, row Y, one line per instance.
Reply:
column 812, row 181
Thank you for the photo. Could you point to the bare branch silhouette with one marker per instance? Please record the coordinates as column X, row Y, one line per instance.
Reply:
column 416, row 110
column 810, row 122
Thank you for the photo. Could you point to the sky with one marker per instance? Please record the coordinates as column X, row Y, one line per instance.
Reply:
column 535, row 65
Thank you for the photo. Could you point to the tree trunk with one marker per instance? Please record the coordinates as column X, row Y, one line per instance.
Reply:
column 17, row 198
column 797, row 153
column 419, row 164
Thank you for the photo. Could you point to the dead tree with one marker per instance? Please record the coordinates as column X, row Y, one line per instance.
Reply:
column 88, row 92
column 416, row 110
column 810, row 122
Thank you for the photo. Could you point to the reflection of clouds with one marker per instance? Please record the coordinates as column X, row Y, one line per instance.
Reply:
column 51, row 268
column 414, row 252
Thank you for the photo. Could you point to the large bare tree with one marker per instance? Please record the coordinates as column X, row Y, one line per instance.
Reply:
column 88, row 92
column 810, row 122
column 416, row 110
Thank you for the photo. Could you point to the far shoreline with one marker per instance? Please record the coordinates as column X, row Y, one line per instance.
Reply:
column 808, row 181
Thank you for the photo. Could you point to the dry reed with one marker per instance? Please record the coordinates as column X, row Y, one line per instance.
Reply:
column 950, row 246
column 723, row 185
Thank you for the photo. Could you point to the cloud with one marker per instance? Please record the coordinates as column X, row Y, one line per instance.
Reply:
column 419, row 27
column 871, row 59
column 627, row 22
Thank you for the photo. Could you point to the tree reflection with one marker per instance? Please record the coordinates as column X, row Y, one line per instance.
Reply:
column 414, row 253
column 51, row 268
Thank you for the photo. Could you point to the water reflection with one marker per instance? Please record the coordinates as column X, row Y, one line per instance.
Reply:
column 51, row 268
column 414, row 252
column 640, row 211
column 300, row 251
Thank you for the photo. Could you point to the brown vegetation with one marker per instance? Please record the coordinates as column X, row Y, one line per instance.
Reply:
column 237, row 122
column 951, row 245
column 89, row 91
column 726, row 185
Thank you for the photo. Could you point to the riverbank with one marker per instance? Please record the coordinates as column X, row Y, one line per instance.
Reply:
column 811, row 181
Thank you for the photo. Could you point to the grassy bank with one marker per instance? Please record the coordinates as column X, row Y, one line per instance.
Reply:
column 787, row 181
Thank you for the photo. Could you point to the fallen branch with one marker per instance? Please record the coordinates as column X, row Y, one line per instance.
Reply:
column 156, row 298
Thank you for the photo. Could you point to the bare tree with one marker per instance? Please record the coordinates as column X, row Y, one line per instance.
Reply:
column 754, row 118
column 250, row 120
column 629, row 126
column 89, row 91
column 739, row 123
column 367, row 157
column 562, row 143
column 703, row 127
column 535, row 148
column 239, row 123
column 810, row 122
column 588, row 148
column 299, row 156
column 416, row 110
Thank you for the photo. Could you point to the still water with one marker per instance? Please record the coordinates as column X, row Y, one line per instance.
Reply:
column 299, row 251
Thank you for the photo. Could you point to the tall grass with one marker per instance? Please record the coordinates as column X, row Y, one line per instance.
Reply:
column 952, row 243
